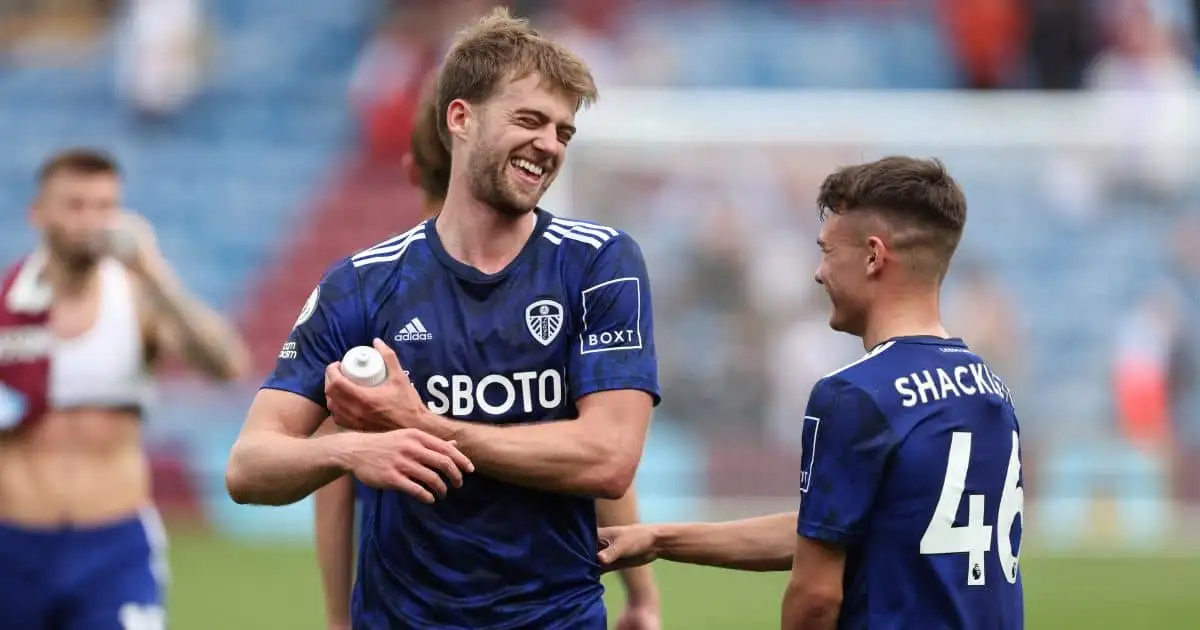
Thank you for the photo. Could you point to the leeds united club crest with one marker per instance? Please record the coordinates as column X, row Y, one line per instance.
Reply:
column 544, row 318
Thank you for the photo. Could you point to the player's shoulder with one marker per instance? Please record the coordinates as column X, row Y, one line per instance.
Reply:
column 581, row 237
column 866, row 371
column 373, row 268
column 390, row 253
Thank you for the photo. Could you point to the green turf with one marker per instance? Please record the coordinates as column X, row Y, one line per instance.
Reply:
column 219, row 584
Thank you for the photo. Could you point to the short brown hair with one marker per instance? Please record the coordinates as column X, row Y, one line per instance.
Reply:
column 918, row 199
column 81, row 160
column 500, row 47
column 429, row 155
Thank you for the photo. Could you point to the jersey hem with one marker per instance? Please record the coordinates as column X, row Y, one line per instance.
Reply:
column 824, row 533
column 608, row 385
column 280, row 388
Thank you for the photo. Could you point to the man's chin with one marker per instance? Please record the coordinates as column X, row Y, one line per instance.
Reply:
column 80, row 260
column 517, row 205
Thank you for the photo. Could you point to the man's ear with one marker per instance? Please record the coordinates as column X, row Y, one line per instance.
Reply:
column 36, row 214
column 409, row 165
column 877, row 255
column 459, row 117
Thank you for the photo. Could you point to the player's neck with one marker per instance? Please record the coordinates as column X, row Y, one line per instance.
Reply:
column 430, row 207
column 904, row 317
column 66, row 280
column 475, row 234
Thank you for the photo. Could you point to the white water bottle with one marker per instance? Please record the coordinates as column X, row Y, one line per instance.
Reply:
column 364, row 366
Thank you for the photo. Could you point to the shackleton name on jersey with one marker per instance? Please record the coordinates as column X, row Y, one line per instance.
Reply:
column 937, row 384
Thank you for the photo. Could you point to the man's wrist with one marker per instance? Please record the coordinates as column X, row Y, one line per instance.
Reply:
column 438, row 426
column 644, row 592
column 338, row 449
column 662, row 539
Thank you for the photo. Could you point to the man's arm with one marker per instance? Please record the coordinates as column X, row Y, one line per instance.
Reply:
column 182, row 325
column 334, row 532
column 813, row 598
column 613, row 373
column 846, row 444
column 275, row 461
column 640, row 589
column 173, row 319
column 763, row 543
column 596, row 454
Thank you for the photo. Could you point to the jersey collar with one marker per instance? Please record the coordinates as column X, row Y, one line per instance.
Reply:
column 472, row 274
column 927, row 340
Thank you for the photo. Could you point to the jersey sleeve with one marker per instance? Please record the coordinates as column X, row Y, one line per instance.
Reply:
column 846, row 444
column 332, row 321
column 615, row 348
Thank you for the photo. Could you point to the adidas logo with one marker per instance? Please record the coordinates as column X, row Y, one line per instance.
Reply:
column 414, row 331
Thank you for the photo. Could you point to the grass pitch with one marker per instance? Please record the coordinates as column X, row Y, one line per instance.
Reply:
column 233, row 586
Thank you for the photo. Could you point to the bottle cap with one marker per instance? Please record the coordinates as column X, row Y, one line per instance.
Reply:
column 363, row 365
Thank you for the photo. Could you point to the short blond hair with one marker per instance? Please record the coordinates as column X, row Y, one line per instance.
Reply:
column 499, row 47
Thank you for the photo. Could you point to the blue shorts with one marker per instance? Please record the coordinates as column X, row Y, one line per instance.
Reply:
column 108, row 577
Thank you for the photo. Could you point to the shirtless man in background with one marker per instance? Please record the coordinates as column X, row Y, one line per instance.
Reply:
column 83, row 321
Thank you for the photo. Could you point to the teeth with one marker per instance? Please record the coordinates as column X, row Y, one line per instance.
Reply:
column 528, row 166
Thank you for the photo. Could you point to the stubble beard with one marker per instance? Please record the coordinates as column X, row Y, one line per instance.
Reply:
column 489, row 183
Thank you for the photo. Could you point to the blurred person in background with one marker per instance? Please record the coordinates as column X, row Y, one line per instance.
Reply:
column 84, row 319
column 1148, row 74
column 1062, row 41
column 1127, row 474
column 427, row 164
column 160, row 59
column 987, row 37
column 981, row 310
column 512, row 547
column 386, row 83
column 1184, row 373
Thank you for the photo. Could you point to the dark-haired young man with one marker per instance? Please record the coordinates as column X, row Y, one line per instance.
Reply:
column 911, row 488
column 83, row 320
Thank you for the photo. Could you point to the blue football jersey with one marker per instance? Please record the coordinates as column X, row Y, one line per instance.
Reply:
column 570, row 316
column 912, row 465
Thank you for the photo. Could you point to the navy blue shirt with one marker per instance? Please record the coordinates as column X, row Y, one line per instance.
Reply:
column 570, row 316
column 912, row 464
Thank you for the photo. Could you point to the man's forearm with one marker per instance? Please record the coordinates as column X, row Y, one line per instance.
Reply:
column 764, row 543
column 334, row 532
column 567, row 456
column 638, row 581
column 282, row 469
column 205, row 339
column 804, row 609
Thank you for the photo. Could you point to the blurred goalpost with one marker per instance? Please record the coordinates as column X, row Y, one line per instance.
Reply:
column 644, row 121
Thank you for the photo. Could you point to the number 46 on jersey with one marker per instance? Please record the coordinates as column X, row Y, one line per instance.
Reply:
column 975, row 538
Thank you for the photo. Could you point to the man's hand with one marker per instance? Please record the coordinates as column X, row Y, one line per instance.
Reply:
column 393, row 404
column 626, row 546
column 640, row 616
column 411, row 461
column 131, row 240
